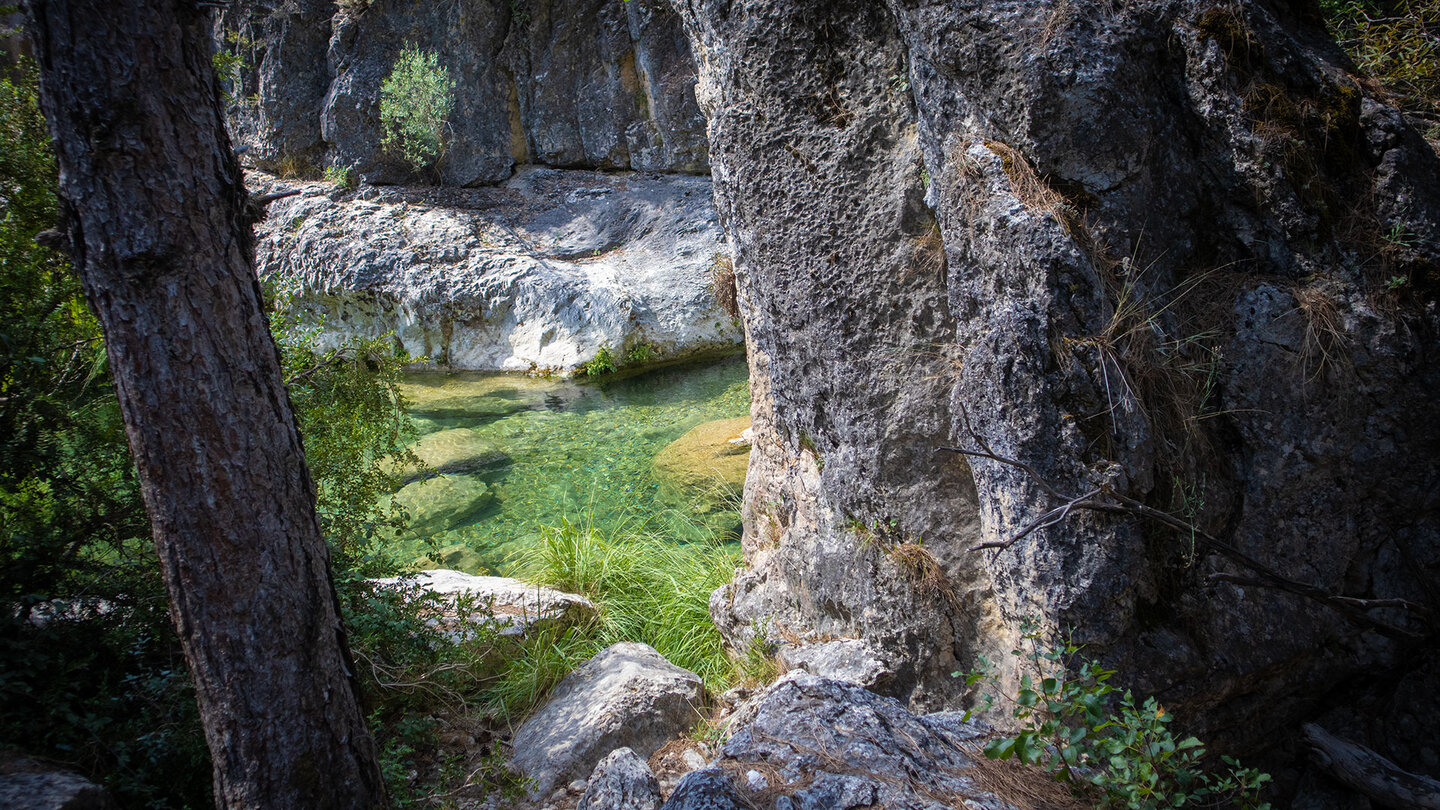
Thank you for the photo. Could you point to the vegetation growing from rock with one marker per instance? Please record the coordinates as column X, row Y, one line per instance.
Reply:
column 1397, row 42
column 1107, row 745
column 415, row 102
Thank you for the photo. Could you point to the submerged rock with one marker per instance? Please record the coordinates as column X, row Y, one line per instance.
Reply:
column 456, row 450
column 508, row 606
column 626, row 696
column 702, row 473
column 442, row 502
column 540, row 274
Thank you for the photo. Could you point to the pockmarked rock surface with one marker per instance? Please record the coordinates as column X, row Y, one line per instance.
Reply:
column 622, row 781
column 595, row 84
column 812, row 743
column 539, row 274
column 627, row 696
column 1139, row 248
column 508, row 606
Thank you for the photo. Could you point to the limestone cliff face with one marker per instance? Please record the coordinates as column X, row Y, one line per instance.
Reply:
column 597, row 84
column 1172, row 254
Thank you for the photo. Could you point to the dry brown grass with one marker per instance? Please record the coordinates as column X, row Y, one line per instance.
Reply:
column 1326, row 343
column 722, row 274
column 922, row 569
column 1028, row 186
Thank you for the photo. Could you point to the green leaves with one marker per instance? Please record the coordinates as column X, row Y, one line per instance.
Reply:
column 1073, row 723
column 415, row 101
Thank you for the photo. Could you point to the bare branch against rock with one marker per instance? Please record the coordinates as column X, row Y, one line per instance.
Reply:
column 1373, row 775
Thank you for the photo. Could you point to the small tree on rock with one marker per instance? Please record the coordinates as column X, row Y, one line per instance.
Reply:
column 415, row 101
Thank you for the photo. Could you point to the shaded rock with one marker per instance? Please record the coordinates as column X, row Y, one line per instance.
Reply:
column 819, row 744
column 29, row 785
column 702, row 473
column 510, row 607
column 705, row 789
column 457, row 450
column 537, row 275
column 442, row 502
column 622, row 781
column 626, row 696
column 585, row 83
column 1080, row 235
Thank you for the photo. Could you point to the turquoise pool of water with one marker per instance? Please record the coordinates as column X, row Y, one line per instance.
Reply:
column 576, row 450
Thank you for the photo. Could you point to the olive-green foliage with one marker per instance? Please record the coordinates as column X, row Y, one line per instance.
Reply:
column 1398, row 42
column 91, row 674
column 415, row 101
column 604, row 363
column 341, row 176
column 1111, row 748
column 648, row 589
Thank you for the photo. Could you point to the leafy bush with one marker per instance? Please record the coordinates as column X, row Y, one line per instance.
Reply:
column 1076, row 725
column 604, row 363
column 415, row 101
column 340, row 176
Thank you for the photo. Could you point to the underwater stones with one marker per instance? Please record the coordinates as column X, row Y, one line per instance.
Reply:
column 509, row 606
column 628, row 695
column 703, row 471
column 443, row 502
column 456, row 450
column 454, row 557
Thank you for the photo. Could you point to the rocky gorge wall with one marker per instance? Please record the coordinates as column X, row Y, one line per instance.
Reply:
column 1165, row 270
column 597, row 84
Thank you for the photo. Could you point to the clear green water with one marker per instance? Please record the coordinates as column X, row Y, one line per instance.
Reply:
column 580, row 451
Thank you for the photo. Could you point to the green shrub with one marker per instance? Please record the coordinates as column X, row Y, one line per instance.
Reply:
column 1076, row 725
column 415, row 101
column 640, row 354
column 604, row 363
column 341, row 176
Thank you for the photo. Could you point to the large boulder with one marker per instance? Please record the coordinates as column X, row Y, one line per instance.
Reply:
column 540, row 274
column 627, row 696
column 508, row 606
column 809, row 742
column 584, row 83
column 1171, row 253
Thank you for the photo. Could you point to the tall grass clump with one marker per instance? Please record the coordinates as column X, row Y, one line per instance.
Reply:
column 648, row 589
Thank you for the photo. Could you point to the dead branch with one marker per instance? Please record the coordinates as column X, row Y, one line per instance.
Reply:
column 1371, row 774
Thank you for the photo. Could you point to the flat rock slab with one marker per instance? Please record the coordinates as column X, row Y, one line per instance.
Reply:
column 810, row 743
column 510, row 606
column 626, row 696
column 538, row 274
column 456, row 450
column 442, row 502
column 29, row 785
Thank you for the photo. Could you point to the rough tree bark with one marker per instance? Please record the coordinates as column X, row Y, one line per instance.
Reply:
column 160, row 233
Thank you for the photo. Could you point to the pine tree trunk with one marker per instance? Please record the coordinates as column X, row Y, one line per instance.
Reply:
column 162, row 240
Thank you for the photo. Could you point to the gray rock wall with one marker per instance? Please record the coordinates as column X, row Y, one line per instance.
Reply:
column 1172, row 251
column 603, row 84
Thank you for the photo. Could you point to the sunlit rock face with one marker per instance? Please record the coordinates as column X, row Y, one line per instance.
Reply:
column 1140, row 248
column 538, row 274
column 583, row 83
